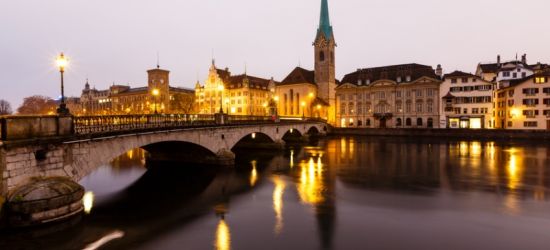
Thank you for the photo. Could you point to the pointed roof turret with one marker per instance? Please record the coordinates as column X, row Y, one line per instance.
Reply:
column 325, row 28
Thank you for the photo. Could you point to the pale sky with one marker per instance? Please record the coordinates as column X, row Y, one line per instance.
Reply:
column 117, row 40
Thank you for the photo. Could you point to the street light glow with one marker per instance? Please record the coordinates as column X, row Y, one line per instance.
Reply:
column 61, row 61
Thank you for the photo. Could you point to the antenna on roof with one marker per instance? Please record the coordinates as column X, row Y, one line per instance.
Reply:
column 245, row 68
column 299, row 62
column 158, row 60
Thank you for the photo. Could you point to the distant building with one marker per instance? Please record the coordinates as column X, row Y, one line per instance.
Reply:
column 467, row 101
column 312, row 93
column 235, row 95
column 157, row 97
column 399, row 96
column 524, row 103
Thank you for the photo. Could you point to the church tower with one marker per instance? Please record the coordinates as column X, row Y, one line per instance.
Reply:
column 325, row 61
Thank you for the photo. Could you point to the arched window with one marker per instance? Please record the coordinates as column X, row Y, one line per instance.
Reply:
column 430, row 122
column 322, row 56
column 368, row 122
column 408, row 122
column 419, row 122
column 359, row 123
column 399, row 122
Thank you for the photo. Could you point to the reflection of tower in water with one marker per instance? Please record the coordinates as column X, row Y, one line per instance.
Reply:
column 316, row 187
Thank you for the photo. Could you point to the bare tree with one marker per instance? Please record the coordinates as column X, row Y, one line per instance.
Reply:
column 37, row 105
column 5, row 108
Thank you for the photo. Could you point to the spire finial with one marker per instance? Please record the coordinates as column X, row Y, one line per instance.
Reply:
column 245, row 68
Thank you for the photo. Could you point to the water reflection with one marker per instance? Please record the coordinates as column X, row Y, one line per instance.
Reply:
column 223, row 236
column 88, row 201
column 278, row 193
column 380, row 187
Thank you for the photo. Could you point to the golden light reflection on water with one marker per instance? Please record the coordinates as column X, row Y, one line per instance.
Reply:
column 88, row 202
column 278, row 193
column 223, row 236
column 310, row 186
column 514, row 169
column 254, row 174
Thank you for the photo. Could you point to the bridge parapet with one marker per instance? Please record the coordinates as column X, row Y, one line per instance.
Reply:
column 14, row 128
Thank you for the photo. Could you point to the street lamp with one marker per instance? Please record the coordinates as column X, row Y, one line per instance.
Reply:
column 156, row 93
column 221, row 88
column 62, row 63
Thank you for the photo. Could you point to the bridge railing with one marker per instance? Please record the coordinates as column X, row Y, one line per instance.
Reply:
column 13, row 128
column 115, row 123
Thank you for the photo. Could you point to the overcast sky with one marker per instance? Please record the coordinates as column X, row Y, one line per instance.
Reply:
column 117, row 40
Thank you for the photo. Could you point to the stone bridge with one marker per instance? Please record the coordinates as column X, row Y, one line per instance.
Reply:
column 75, row 147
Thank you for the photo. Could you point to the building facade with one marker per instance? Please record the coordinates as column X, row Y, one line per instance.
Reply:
column 235, row 95
column 524, row 103
column 466, row 101
column 400, row 96
column 157, row 97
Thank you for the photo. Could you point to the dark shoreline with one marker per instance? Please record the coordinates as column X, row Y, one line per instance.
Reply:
column 482, row 134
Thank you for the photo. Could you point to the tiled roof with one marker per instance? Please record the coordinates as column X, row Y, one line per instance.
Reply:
column 299, row 75
column 457, row 74
column 414, row 71
column 489, row 67
column 253, row 82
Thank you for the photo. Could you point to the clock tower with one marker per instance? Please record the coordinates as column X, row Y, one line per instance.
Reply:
column 325, row 61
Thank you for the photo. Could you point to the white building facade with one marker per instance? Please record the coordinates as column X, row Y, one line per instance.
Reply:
column 466, row 102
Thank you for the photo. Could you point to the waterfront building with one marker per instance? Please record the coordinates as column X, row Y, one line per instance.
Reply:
column 312, row 93
column 157, row 97
column 235, row 95
column 524, row 103
column 399, row 96
column 466, row 101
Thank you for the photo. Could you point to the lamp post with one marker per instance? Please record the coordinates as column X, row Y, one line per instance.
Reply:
column 62, row 63
column 221, row 88
column 156, row 93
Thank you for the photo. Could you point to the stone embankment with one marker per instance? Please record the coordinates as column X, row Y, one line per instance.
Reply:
column 482, row 134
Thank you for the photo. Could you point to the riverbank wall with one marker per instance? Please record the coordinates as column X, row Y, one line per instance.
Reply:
column 482, row 134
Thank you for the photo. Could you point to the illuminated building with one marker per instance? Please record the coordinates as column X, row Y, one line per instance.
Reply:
column 399, row 96
column 524, row 103
column 467, row 101
column 157, row 96
column 236, row 95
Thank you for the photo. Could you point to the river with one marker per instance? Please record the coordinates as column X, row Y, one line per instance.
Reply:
column 334, row 193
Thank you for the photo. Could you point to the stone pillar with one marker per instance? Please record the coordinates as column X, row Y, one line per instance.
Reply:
column 221, row 118
column 226, row 157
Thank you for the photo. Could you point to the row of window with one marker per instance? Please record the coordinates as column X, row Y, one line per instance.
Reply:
column 384, row 94
column 359, row 109
column 477, row 99
column 471, row 88
column 463, row 79
column 474, row 111
column 398, row 122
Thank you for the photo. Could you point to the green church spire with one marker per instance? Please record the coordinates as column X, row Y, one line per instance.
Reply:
column 325, row 28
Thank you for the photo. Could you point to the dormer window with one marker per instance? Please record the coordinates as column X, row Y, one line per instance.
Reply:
column 398, row 79
column 359, row 82
column 368, row 82
column 408, row 78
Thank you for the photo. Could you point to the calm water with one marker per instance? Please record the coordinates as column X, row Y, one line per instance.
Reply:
column 338, row 193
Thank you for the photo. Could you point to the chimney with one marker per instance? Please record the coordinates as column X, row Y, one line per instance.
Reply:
column 524, row 59
column 498, row 60
column 439, row 71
